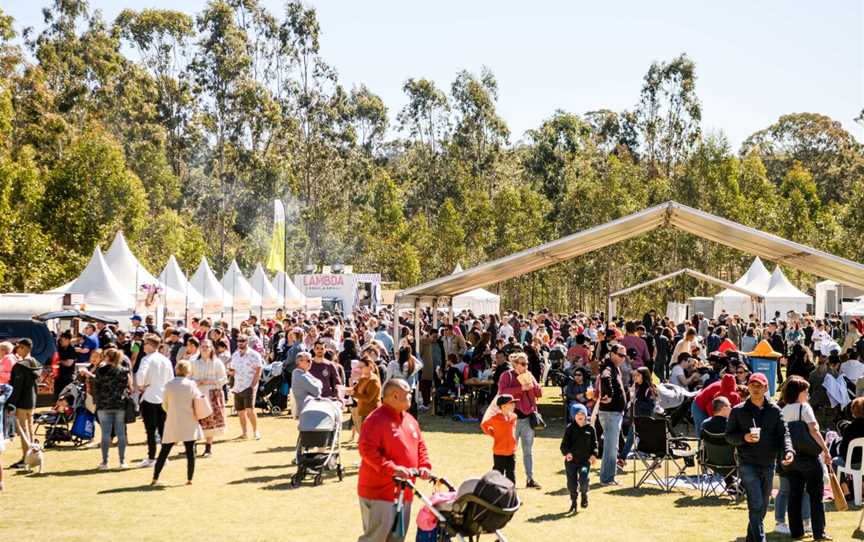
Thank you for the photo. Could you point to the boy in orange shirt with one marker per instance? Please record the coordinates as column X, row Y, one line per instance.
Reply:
column 502, row 428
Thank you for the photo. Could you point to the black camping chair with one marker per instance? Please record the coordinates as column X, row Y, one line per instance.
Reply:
column 655, row 447
column 718, row 468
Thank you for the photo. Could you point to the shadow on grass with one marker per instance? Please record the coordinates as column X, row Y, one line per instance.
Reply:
column 131, row 489
column 277, row 449
column 268, row 467
column 858, row 535
column 637, row 491
column 258, row 479
column 690, row 501
column 79, row 472
column 559, row 492
column 543, row 518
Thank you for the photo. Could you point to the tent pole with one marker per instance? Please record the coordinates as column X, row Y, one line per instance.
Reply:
column 417, row 327
column 395, row 328
column 435, row 314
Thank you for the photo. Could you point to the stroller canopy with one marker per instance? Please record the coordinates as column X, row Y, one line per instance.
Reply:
column 319, row 415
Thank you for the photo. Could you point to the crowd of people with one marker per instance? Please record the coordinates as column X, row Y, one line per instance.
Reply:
column 178, row 380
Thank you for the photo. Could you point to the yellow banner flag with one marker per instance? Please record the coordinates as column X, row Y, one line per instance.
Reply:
column 276, row 259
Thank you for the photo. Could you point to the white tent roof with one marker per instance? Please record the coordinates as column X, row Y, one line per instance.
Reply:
column 175, row 280
column 126, row 266
column 780, row 288
column 269, row 297
column 291, row 295
column 215, row 297
column 102, row 292
column 238, row 288
column 681, row 217
column 478, row 300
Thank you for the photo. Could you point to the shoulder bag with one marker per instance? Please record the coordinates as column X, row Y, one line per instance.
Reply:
column 802, row 440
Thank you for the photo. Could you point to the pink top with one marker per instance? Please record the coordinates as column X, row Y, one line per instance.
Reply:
column 6, row 367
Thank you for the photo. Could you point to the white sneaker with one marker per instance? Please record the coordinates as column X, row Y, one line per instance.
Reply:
column 782, row 528
column 103, row 466
column 808, row 527
column 257, row 435
column 124, row 465
column 146, row 463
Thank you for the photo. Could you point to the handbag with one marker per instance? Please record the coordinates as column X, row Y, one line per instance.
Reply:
column 201, row 406
column 840, row 503
column 536, row 421
column 84, row 426
column 131, row 410
column 802, row 440
column 89, row 403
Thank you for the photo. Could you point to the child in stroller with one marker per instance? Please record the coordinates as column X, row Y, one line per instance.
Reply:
column 269, row 397
column 55, row 425
column 480, row 506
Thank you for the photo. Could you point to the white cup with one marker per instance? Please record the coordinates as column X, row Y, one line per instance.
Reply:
column 755, row 433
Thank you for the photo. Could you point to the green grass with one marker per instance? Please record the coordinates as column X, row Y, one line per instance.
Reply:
column 243, row 493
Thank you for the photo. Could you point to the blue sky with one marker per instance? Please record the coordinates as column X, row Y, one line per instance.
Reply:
column 755, row 60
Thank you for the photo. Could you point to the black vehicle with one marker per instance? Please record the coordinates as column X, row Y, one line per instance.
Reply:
column 43, row 342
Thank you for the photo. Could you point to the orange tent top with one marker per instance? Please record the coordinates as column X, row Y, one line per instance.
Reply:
column 764, row 350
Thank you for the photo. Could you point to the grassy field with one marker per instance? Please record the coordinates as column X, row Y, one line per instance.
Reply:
column 243, row 492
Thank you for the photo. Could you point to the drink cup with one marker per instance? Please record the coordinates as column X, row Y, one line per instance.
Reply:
column 589, row 393
column 756, row 433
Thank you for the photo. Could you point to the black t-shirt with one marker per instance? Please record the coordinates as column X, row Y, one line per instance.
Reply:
column 106, row 337
column 64, row 353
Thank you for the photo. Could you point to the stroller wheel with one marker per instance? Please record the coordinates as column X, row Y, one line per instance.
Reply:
column 339, row 472
column 295, row 480
column 317, row 480
column 275, row 410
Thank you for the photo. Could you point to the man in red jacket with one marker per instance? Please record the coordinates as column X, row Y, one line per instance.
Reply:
column 390, row 445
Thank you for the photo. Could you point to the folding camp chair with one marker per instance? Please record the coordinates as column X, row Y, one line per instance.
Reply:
column 717, row 464
column 656, row 448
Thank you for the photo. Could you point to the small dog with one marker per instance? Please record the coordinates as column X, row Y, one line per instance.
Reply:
column 35, row 457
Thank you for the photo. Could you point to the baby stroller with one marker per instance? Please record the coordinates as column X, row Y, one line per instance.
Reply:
column 55, row 426
column 320, row 426
column 269, row 399
column 675, row 402
column 481, row 506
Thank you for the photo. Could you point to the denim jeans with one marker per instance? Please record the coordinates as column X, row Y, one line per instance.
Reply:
column 756, row 480
column 113, row 421
column 781, row 503
column 525, row 436
column 611, row 424
column 699, row 416
column 805, row 484
column 577, row 478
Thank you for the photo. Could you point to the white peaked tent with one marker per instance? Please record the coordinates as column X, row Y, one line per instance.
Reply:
column 269, row 298
column 238, row 289
column 132, row 275
column 756, row 279
column 216, row 300
column 783, row 296
column 175, row 281
column 103, row 293
column 478, row 300
column 292, row 297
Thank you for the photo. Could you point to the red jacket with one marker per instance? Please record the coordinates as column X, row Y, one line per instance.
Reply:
column 388, row 439
column 526, row 401
column 722, row 388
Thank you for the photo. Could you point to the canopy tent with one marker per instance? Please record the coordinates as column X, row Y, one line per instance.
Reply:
column 175, row 281
column 783, row 296
column 748, row 294
column 671, row 213
column 478, row 300
column 216, row 300
column 136, row 279
column 826, row 300
column 238, row 289
column 268, row 298
column 292, row 297
column 853, row 309
column 104, row 295
column 755, row 279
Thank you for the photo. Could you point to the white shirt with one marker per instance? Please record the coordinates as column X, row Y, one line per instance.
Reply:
column 852, row 370
column 678, row 376
column 244, row 366
column 154, row 372
column 792, row 410
column 505, row 331
column 818, row 336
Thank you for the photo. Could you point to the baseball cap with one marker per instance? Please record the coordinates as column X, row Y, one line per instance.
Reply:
column 760, row 378
column 504, row 399
column 136, row 317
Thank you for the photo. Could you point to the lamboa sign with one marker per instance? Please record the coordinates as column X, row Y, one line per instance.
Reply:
column 324, row 282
